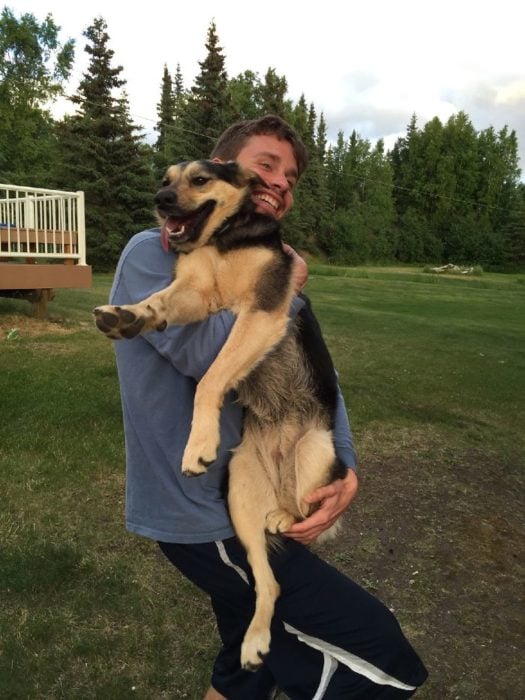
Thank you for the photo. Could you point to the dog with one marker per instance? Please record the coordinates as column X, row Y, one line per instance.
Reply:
column 231, row 257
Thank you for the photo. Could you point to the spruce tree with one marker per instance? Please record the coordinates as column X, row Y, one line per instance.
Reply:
column 514, row 232
column 209, row 110
column 273, row 95
column 307, row 220
column 103, row 155
column 245, row 92
column 165, row 111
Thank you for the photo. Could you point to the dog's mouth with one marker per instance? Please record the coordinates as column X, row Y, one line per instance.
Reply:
column 176, row 230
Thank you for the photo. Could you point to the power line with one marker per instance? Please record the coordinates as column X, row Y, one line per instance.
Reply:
column 361, row 178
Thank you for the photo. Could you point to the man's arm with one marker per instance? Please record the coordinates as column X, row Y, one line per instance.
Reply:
column 145, row 268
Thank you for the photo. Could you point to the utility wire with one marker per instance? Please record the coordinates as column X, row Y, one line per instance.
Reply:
column 362, row 179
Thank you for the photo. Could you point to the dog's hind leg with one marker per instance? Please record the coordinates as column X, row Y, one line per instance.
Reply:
column 314, row 460
column 251, row 496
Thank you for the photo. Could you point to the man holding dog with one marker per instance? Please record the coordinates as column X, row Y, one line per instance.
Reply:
column 330, row 638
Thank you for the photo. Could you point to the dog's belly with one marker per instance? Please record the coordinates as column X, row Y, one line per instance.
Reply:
column 281, row 389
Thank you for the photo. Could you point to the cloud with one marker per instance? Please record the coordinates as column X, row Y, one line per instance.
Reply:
column 379, row 108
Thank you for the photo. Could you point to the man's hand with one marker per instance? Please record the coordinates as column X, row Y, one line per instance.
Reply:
column 334, row 499
column 300, row 268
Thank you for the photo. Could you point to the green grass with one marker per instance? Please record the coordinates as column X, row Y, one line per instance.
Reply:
column 447, row 355
column 433, row 373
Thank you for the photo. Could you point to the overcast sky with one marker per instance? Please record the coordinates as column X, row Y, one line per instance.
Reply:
column 367, row 66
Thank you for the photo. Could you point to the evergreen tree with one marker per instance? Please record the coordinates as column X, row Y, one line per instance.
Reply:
column 272, row 98
column 305, row 225
column 165, row 111
column 360, row 186
column 172, row 143
column 514, row 232
column 245, row 95
column 407, row 165
column 33, row 68
column 335, row 161
column 179, row 141
column 104, row 156
column 209, row 110
column 321, row 139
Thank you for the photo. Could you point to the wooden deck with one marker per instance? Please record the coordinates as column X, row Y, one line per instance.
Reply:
column 42, row 243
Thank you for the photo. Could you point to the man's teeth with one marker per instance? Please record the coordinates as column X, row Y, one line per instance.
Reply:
column 268, row 200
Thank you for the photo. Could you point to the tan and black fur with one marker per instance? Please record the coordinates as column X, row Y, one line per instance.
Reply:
column 231, row 257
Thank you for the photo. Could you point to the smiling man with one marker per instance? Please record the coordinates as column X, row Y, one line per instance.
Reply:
column 330, row 638
column 275, row 162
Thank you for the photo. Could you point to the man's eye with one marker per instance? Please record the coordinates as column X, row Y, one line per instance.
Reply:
column 199, row 181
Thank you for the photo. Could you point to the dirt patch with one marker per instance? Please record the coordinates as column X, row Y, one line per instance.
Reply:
column 13, row 326
column 443, row 547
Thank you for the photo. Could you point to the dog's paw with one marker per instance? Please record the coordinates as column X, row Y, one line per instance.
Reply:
column 279, row 520
column 191, row 468
column 198, row 456
column 118, row 322
column 254, row 649
column 200, row 452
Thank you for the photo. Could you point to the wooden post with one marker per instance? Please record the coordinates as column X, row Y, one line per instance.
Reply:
column 39, row 299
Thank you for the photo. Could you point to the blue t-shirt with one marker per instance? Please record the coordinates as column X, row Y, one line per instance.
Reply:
column 158, row 373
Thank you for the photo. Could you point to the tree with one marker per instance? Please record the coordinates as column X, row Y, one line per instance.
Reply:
column 102, row 154
column 305, row 224
column 514, row 232
column 172, row 143
column 165, row 111
column 245, row 95
column 272, row 97
column 209, row 110
column 33, row 68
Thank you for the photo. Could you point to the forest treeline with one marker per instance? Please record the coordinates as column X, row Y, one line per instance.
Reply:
column 444, row 193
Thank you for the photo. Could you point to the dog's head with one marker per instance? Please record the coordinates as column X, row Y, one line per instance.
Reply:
column 197, row 197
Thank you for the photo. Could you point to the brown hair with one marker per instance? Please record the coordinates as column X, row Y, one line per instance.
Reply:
column 235, row 137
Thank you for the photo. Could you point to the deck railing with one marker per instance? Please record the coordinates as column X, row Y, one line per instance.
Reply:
column 42, row 224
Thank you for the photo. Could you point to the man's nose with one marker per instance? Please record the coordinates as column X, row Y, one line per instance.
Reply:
column 280, row 182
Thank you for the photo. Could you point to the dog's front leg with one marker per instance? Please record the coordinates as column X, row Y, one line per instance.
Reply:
column 253, row 335
column 177, row 304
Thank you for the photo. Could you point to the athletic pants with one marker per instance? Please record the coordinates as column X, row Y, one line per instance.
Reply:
column 330, row 638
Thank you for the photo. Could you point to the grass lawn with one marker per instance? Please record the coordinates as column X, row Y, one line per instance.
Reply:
column 433, row 371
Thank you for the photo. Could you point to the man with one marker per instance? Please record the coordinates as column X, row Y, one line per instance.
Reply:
column 330, row 639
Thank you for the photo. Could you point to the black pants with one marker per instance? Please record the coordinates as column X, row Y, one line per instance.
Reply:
column 330, row 638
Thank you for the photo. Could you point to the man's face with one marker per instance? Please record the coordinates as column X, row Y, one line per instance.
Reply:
column 273, row 160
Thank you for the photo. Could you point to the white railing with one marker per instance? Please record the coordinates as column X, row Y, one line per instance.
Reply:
column 38, row 223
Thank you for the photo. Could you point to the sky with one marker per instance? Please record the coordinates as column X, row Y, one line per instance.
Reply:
column 367, row 66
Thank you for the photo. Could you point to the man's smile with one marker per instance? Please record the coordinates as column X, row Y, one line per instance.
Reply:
column 268, row 198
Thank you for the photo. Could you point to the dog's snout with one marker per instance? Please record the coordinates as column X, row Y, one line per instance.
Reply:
column 165, row 198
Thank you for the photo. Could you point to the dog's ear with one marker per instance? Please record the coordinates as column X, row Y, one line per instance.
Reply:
column 254, row 179
column 234, row 173
column 239, row 176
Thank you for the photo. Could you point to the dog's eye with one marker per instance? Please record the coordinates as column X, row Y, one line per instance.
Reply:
column 200, row 180
column 165, row 182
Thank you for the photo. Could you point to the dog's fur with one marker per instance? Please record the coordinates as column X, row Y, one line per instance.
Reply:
column 231, row 257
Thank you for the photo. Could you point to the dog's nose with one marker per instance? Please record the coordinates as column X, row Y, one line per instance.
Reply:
column 165, row 198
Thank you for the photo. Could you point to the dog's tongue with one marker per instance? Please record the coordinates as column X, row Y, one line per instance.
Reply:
column 169, row 226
